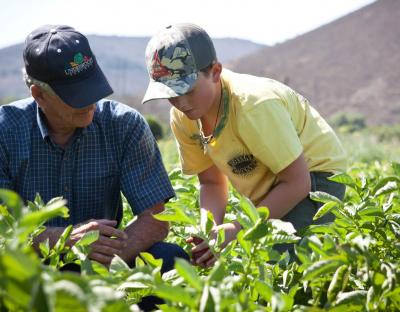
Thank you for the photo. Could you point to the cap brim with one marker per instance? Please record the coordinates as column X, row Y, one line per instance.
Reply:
column 169, row 88
column 86, row 91
column 157, row 90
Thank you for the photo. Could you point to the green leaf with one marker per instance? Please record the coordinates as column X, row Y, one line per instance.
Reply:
column 324, row 197
column 321, row 228
column 338, row 282
column 343, row 178
column 378, row 279
column 188, row 273
column 396, row 168
column 321, row 268
column 48, row 212
column 217, row 273
column 354, row 298
column 282, row 226
column 281, row 239
column 281, row 302
column 385, row 186
column 88, row 238
column 259, row 230
column 372, row 211
column 245, row 244
column 44, row 248
column 150, row 260
column 38, row 201
column 12, row 201
column 263, row 212
column 249, row 209
column 206, row 221
column 132, row 285
column 7, row 221
column 175, row 174
column 118, row 265
column 325, row 209
column 206, row 301
column 176, row 216
column 264, row 289
column 18, row 266
column 69, row 288
column 59, row 246
column 175, row 294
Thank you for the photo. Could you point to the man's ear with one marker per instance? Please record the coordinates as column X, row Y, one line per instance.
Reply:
column 37, row 94
column 216, row 72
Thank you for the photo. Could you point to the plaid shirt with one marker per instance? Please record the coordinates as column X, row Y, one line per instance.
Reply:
column 116, row 152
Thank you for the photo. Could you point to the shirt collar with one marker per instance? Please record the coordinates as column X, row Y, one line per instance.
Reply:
column 41, row 123
column 43, row 128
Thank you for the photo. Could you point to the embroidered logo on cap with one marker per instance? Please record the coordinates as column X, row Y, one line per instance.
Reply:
column 79, row 64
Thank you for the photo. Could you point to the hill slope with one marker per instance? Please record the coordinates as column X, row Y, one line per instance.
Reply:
column 121, row 58
column 351, row 64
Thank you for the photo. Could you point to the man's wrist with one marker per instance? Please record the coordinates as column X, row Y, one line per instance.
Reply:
column 51, row 233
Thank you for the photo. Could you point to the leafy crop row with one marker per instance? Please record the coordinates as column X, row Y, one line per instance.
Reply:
column 351, row 264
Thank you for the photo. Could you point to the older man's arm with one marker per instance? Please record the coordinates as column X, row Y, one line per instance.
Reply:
column 144, row 232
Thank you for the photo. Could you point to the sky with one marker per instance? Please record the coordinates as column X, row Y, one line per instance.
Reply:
column 262, row 21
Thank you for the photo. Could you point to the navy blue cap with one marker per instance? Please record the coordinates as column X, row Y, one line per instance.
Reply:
column 61, row 56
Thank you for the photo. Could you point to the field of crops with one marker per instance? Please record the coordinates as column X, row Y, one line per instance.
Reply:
column 352, row 264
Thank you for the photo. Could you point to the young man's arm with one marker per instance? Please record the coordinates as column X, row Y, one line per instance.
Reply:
column 294, row 184
column 213, row 192
column 214, row 198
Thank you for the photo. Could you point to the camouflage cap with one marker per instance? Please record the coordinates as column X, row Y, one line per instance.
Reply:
column 174, row 56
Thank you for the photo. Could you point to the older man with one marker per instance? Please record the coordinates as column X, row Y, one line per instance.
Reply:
column 66, row 141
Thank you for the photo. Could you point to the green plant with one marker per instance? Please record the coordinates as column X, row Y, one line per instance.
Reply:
column 155, row 127
column 351, row 264
column 348, row 122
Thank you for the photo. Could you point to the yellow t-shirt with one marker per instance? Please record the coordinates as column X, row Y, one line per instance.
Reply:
column 264, row 128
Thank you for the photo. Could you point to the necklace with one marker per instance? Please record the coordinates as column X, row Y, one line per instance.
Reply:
column 208, row 139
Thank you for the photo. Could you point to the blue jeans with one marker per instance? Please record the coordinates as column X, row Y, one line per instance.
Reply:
column 167, row 252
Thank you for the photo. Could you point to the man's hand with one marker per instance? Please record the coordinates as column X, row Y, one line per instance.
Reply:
column 111, row 240
column 201, row 253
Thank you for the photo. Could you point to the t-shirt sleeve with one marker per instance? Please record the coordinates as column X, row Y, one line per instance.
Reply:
column 191, row 154
column 267, row 129
column 144, row 180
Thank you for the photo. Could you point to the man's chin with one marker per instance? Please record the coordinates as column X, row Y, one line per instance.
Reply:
column 192, row 115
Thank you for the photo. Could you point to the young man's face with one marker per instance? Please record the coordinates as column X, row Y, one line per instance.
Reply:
column 198, row 102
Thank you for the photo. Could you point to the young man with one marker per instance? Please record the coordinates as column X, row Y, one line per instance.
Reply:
column 67, row 141
column 259, row 134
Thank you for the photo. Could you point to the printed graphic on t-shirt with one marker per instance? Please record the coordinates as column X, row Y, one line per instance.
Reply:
column 243, row 164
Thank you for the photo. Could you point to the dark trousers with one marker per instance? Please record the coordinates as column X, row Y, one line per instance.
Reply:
column 167, row 252
column 302, row 214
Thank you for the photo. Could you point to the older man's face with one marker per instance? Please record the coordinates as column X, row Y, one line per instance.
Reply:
column 64, row 116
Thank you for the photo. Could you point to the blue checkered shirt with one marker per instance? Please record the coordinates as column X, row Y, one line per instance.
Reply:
column 115, row 153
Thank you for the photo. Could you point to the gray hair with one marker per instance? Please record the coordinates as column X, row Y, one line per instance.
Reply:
column 29, row 81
